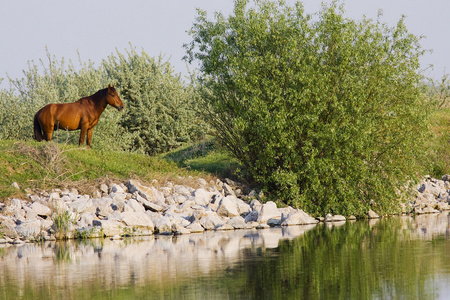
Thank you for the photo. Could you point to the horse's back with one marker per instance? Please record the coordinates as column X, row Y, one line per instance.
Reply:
column 65, row 116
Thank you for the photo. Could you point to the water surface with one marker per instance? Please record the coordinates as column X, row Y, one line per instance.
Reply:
column 407, row 258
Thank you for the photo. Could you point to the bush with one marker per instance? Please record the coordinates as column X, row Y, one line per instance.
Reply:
column 325, row 112
column 160, row 109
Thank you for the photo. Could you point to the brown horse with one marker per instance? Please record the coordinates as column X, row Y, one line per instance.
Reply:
column 83, row 114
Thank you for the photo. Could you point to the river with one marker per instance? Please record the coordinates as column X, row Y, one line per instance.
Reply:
column 399, row 257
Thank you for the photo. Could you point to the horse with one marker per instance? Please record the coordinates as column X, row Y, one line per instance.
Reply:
column 82, row 114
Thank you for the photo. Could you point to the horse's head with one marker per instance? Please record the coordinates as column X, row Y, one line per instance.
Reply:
column 113, row 99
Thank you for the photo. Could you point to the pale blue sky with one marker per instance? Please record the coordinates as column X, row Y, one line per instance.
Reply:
column 97, row 27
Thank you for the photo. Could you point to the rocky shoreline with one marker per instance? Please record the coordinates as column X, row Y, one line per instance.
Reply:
column 132, row 209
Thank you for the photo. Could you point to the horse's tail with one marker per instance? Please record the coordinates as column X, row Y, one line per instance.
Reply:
column 37, row 128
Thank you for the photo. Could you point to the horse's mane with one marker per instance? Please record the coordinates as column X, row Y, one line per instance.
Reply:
column 102, row 93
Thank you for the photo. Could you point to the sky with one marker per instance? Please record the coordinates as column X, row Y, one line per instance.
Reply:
column 96, row 28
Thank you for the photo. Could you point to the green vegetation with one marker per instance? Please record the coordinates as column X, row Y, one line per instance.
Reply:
column 50, row 165
column 160, row 108
column 62, row 222
column 324, row 112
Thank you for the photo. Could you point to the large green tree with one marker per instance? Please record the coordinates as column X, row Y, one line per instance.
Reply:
column 323, row 111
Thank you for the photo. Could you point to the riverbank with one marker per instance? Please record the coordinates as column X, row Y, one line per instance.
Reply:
column 132, row 209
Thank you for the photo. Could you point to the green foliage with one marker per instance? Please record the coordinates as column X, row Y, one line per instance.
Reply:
column 62, row 222
column 323, row 111
column 50, row 165
column 160, row 109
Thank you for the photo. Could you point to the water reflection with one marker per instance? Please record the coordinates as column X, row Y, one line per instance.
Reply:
column 395, row 258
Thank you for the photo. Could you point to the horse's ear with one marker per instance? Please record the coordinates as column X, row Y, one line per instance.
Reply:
column 109, row 86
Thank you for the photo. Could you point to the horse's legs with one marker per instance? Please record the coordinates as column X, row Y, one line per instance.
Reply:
column 47, row 130
column 84, row 130
column 89, row 136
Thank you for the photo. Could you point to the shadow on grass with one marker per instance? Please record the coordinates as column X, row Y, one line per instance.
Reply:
column 205, row 156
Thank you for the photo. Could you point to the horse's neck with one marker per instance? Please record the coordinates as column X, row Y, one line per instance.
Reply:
column 99, row 103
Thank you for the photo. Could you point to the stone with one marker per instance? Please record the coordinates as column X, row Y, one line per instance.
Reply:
column 8, row 228
column 82, row 205
column 30, row 229
column 227, row 207
column 252, row 216
column 268, row 211
column 211, row 221
column 136, row 206
column 243, row 208
column 195, row 227
column 429, row 210
column 117, row 189
column 102, row 206
column 182, row 190
column 225, row 227
column 237, row 222
column 15, row 185
column 104, row 188
column 202, row 197
column 228, row 190
column 255, row 204
column 136, row 219
column 201, row 182
column 164, row 225
column 149, row 205
column 148, row 193
column 335, row 218
column 274, row 222
column 297, row 217
column 15, row 204
column 372, row 215
column 109, row 227
column 179, row 230
column 215, row 201
column 262, row 226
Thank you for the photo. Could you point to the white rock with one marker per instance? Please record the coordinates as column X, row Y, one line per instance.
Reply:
column 372, row 215
column 148, row 193
column 136, row 206
column 202, row 197
column 268, row 211
column 298, row 217
column 82, row 205
column 29, row 229
column 211, row 221
column 195, row 227
column 228, row 207
column 237, row 222
column 136, row 219
column 163, row 225
column 109, row 227
column 225, row 227
column 335, row 218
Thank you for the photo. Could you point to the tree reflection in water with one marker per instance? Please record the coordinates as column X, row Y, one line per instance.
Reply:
column 391, row 258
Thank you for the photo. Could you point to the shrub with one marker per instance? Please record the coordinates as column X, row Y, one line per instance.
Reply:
column 160, row 113
column 161, row 108
column 324, row 111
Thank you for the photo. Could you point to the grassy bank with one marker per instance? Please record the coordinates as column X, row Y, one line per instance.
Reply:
column 50, row 165
column 44, row 165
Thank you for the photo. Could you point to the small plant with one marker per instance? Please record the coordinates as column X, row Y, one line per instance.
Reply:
column 62, row 222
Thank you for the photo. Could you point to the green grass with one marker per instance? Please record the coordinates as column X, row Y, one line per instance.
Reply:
column 437, row 162
column 45, row 165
